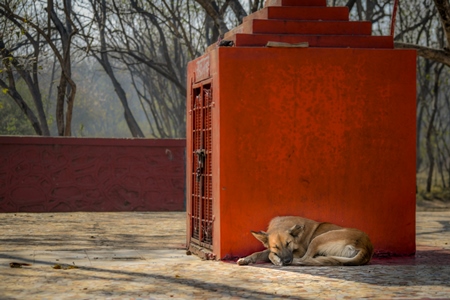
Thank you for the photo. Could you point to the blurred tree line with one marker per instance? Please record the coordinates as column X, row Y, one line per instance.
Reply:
column 107, row 68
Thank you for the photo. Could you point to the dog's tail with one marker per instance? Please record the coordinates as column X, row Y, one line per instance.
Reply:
column 361, row 258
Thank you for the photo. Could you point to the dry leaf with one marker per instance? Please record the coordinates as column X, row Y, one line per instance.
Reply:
column 64, row 267
column 18, row 265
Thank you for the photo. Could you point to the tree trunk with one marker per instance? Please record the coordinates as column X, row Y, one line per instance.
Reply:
column 104, row 61
column 430, row 131
column 129, row 118
column 24, row 108
column 238, row 10
column 418, row 137
column 60, row 105
column 212, row 10
column 424, row 88
column 67, row 87
column 350, row 4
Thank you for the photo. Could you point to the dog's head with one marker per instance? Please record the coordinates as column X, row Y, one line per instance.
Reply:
column 281, row 244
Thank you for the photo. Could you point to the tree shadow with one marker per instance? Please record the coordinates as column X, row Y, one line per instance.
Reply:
column 167, row 284
column 445, row 228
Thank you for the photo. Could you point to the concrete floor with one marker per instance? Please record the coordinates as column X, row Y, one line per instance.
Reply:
column 142, row 256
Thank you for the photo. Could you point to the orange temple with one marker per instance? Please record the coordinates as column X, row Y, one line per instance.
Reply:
column 325, row 132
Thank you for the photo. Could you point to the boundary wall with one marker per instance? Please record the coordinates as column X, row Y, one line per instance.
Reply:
column 58, row 174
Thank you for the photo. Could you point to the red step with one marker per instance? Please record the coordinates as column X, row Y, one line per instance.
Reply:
column 326, row 41
column 303, row 27
column 295, row 3
column 301, row 13
column 311, row 21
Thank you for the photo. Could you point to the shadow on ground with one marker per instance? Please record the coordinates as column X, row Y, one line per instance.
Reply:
column 429, row 267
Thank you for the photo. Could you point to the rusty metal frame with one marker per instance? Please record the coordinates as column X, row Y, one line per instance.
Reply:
column 200, row 212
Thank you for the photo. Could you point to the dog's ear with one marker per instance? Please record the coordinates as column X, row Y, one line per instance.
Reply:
column 262, row 236
column 296, row 229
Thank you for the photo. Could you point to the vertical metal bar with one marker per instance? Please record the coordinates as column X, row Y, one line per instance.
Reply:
column 394, row 15
column 200, row 182
column 207, row 198
column 194, row 217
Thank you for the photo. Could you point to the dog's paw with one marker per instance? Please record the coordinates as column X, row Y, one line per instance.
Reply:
column 275, row 260
column 242, row 262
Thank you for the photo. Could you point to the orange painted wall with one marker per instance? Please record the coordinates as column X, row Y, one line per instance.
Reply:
column 327, row 134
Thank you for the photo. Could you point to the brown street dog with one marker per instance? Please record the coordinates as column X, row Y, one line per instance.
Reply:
column 298, row 241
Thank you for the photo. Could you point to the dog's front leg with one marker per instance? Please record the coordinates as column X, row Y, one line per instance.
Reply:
column 262, row 256
column 275, row 259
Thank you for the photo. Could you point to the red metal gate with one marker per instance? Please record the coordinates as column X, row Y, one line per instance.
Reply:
column 201, row 216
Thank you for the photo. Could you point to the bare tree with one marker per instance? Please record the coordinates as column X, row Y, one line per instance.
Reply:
column 21, row 55
column 100, row 52
column 152, row 41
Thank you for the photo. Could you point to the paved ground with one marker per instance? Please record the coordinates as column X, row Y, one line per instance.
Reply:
column 141, row 256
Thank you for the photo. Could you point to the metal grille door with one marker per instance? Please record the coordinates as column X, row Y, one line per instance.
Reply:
column 201, row 168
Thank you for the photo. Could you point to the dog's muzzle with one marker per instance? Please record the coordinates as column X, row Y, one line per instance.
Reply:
column 286, row 257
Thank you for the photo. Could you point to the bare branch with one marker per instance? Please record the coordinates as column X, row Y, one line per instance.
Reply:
column 438, row 55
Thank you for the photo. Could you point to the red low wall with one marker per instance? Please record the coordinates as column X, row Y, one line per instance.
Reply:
column 54, row 174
